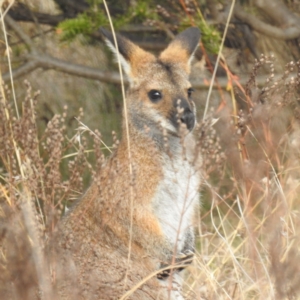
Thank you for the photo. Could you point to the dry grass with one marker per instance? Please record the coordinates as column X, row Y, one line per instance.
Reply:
column 248, row 233
column 248, row 243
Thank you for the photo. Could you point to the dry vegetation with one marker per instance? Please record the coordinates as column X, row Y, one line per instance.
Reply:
column 248, row 245
column 248, row 227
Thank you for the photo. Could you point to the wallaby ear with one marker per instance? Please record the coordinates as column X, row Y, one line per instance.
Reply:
column 182, row 48
column 131, row 55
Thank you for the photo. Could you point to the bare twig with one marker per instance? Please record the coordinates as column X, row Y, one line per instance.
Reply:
column 288, row 33
column 48, row 62
column 21, row 71
column 21, row 34
column 278, row 12
column 21, row 12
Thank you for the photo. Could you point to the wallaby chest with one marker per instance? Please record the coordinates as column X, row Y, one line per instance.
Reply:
column 176, row 197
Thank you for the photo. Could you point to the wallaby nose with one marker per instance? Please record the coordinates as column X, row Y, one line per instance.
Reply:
column 188, row 118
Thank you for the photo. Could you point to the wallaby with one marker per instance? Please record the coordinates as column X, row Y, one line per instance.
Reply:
column 137, row 216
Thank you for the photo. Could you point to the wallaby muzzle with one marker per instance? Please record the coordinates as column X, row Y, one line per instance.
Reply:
column 183, row 114
column 188, row 118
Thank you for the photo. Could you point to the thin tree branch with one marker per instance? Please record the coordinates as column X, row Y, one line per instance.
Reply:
column 42, row 33
column 278, row 12
column 21, row 34
column 21, row 12
column 48, row 62
column 21, row 71
column 266, row 29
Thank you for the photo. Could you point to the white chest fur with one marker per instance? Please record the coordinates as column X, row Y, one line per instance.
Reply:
column 175, row 199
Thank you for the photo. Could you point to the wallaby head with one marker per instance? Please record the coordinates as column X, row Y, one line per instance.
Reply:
column 160, row 91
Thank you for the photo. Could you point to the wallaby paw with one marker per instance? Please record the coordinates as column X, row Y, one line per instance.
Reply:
column 183, row 259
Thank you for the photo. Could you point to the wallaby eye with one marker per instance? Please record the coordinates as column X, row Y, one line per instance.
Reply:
column 190, row 91
column 154, row 95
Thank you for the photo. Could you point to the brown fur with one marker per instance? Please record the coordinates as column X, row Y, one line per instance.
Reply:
column 117, row 213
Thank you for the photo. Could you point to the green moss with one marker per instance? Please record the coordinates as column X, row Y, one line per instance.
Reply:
column 84, row 25
column 210, row 36
column 95, row 17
